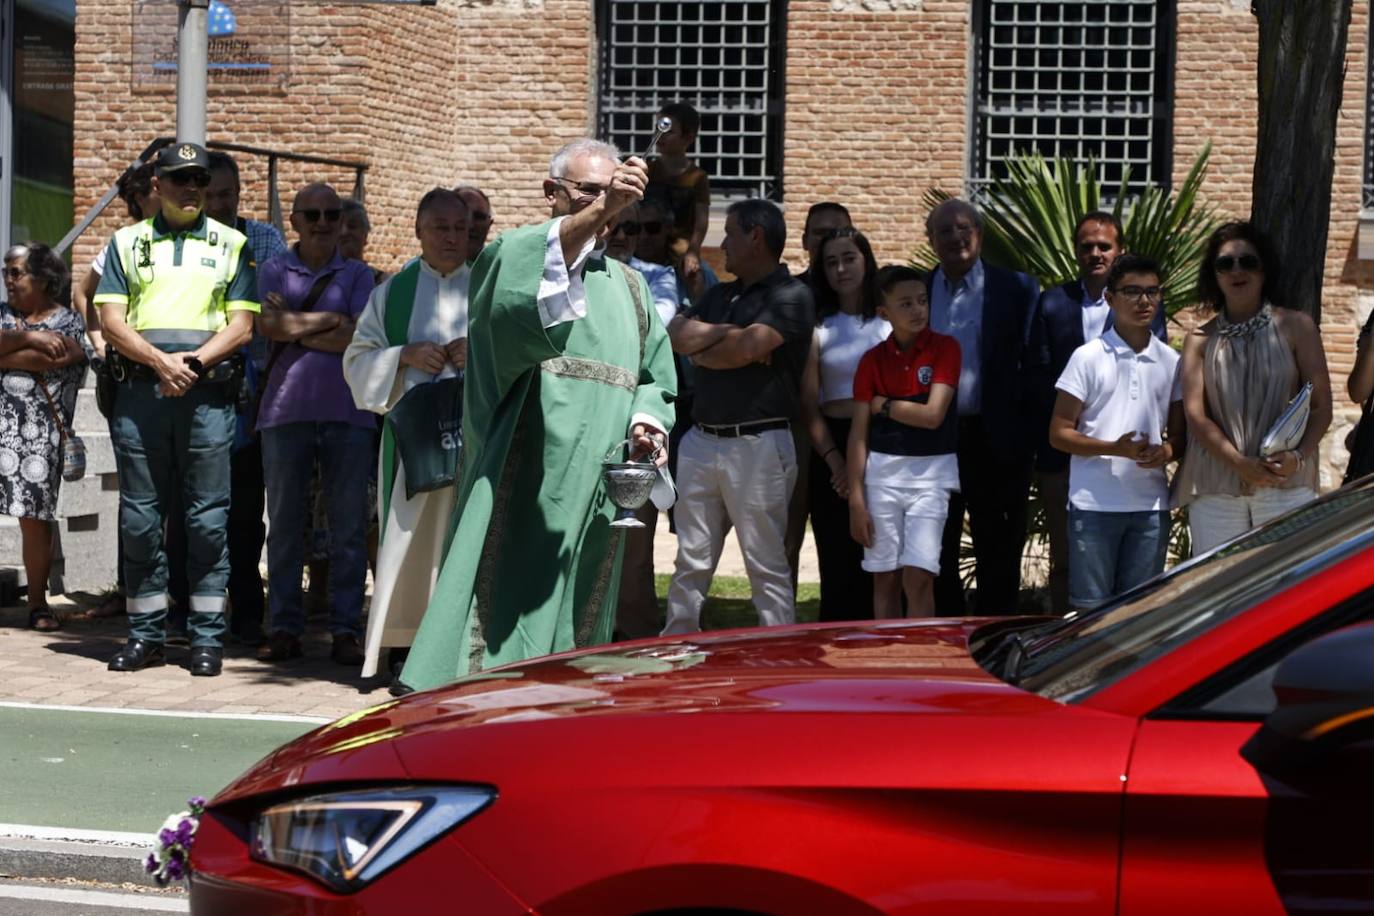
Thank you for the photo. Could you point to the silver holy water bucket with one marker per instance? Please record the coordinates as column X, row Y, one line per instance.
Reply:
column 628, row 484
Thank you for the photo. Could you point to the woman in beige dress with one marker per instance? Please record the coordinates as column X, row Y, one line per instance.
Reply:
column 1239, row 371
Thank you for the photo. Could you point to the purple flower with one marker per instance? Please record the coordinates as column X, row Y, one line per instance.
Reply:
column 150, row 864
column 166, row 837
column 175, row 870
column 196, row 803
column 177, row 855
column 185, row 834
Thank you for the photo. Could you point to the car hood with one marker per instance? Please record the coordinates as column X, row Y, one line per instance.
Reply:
column 893, row 667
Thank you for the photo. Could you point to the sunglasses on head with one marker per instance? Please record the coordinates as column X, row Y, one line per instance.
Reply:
column 1227, row 263
column 189, row 176
column 313, row 214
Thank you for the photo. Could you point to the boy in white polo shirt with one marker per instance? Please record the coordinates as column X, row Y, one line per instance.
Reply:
column 1118, row 414
column 903, row 460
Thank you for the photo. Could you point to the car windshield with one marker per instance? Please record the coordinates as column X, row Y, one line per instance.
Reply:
column 1084, row 652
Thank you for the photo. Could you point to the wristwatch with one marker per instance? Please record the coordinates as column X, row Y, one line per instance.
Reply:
column 886, row 409
column 195, row 366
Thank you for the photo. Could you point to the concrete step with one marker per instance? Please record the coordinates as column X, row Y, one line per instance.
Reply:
column 100, row 456
column 88, row 418
column 11, row 545
column 90, row 552
column 92, row 494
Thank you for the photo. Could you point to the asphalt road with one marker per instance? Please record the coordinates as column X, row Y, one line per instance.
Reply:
column 119, row 772
column 24, row 898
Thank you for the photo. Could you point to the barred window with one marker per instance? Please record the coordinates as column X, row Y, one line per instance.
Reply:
column 1087, row 80
column 723, row 58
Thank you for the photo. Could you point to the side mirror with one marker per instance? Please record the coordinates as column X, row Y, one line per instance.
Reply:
column 1322, row 729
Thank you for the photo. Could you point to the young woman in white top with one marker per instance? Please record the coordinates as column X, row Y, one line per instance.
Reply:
column 847, row 327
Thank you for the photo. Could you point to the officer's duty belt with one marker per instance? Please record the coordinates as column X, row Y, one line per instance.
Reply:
column 124, row 369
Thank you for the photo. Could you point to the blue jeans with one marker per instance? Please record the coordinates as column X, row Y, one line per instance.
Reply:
column 1113, row 552
column 289, row 453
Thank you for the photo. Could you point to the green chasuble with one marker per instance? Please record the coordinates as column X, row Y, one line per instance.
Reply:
column 533, row 566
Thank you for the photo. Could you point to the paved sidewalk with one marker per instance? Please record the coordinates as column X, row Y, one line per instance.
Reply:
column 67, row 668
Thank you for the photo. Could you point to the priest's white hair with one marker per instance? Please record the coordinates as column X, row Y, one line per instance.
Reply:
column 583, row 146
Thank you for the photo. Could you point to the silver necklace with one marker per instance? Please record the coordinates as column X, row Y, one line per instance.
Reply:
column 1247, row 328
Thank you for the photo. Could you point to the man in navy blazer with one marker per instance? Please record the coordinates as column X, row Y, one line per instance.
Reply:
column 987, row 310
column 1065, row 318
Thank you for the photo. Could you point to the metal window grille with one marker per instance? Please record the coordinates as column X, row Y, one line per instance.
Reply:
column 723, row 58
column 1087, row 80
column 1367, row 198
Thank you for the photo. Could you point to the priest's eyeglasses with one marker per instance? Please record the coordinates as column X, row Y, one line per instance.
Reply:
column 583, row 192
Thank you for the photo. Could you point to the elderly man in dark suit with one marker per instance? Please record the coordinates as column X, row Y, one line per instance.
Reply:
column 987, row 309
column 1065, row 318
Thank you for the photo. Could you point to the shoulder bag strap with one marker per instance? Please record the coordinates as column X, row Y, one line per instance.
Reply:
column 43, row 386
column 52, row 406
column 307, row 304
column 278, row 348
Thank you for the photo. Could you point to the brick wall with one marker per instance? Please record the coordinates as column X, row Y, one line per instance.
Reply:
column 523, row 88
column 876, row 112
column 465, row 91
column 316, row 114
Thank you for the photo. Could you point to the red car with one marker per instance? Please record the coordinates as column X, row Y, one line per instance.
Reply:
column 1129, row 760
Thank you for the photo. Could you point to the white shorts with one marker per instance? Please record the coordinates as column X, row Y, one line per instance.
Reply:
column 908, row 526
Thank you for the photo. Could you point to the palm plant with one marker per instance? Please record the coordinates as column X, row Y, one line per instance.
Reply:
column 1029, row 217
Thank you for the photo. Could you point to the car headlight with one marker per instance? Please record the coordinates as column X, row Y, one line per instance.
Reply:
column 346, row 840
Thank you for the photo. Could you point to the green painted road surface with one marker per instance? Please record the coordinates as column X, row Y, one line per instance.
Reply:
column 110, row 771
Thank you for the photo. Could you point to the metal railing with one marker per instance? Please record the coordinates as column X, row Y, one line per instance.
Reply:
column 274, row 208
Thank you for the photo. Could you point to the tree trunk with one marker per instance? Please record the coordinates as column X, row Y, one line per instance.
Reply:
column 1301, row 76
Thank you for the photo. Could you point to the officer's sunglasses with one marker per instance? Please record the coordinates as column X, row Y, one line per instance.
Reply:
column 313, row 214
column 189, row 176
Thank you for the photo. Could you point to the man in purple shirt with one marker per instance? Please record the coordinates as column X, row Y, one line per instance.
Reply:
column 312, row 297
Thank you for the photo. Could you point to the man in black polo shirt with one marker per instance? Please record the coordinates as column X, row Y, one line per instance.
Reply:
column 738, row 465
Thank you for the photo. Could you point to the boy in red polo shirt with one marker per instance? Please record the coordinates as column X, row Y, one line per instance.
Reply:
column 902, row 461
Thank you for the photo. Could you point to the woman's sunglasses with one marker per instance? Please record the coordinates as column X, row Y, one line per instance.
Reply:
column 1226, row 263
column 313, row 214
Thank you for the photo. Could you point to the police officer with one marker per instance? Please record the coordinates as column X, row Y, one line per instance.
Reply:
column 177, row 302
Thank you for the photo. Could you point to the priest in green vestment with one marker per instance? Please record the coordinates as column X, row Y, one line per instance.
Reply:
column 567, row 357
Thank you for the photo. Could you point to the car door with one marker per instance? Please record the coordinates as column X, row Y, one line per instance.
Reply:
column 1204, row 830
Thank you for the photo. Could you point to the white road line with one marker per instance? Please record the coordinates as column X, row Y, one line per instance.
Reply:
column 243, row 716
column 145, row 902
column 73, row 835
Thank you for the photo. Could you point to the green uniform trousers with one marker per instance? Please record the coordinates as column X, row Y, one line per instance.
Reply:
column 166, row 445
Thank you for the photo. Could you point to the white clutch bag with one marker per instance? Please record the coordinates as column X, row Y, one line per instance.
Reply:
column 1288, row 429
